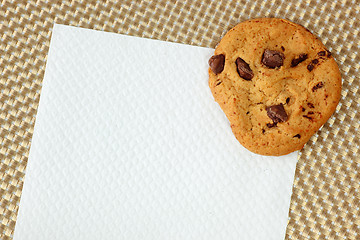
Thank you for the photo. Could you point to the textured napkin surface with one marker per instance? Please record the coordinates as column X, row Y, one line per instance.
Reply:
column 325, row 201
column 129, row 143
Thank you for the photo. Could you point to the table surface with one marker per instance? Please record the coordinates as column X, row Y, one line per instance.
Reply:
column 326, row 199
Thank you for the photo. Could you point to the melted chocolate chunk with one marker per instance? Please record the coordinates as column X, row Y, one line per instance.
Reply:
column 311, row 112
column 271, row 125
column 315, row 61
column 310, row 105
column 272, row 58
column 287, row 100
column 321, row 53
column 218, row 83
column 302, row 57
column 244, row 69
column 297, row 136
column 282, row 48
column 317, row 86
column 277, row 113
column 217, row 63
column 310, row 67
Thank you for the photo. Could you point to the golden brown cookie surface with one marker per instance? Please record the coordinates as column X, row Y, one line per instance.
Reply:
column 276, row 83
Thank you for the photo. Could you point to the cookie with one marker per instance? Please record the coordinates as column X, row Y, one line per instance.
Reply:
column 276, row 83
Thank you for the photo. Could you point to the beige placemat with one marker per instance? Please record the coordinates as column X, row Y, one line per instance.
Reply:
column 326, row 200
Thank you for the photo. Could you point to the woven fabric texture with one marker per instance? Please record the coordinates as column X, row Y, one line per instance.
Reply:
column 326, row 200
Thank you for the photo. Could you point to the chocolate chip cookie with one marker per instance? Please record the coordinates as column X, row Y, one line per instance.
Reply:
column 276, row 83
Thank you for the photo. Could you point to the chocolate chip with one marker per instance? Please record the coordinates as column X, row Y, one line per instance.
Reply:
column 310, row 105
column 297, row 136
column 271, row 125
column 321, row 54
column 317, row 86
column 302, row 57
column 263, row 131
column 218, row 83
column 328, row 53
column 272, row 58
column 315, row 61
column 310, row 67
column 244, row 69
column 247, row 113
column 287, row 100
column 310, row 113
column 302, row 109
column 217, row 63
column 277, row 113
column 308, row 117
column 282, row 48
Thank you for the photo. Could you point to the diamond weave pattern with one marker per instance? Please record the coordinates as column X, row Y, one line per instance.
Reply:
column 326, row 200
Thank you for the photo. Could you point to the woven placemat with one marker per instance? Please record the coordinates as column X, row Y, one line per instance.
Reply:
column 326, row 200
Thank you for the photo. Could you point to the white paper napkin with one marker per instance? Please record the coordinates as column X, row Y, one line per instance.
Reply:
column 130, row 144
